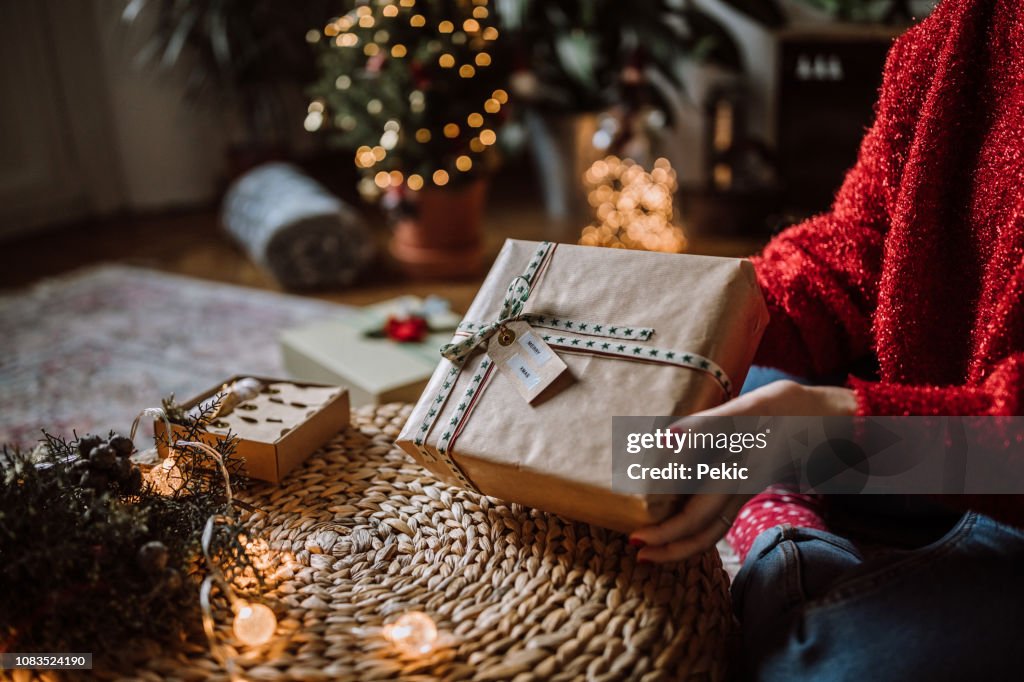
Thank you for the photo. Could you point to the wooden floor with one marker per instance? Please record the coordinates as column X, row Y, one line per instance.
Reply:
column 192, row 243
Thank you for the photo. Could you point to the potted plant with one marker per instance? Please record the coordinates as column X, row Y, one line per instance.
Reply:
column 249, row 58
column 414, row 90
column 592, row 74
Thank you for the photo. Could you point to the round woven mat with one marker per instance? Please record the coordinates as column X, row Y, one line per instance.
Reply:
column 522, row 595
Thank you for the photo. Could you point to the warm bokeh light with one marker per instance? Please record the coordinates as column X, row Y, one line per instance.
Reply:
column 254, row 623
column 413, row 634
column 634, row 208
column 399, row 134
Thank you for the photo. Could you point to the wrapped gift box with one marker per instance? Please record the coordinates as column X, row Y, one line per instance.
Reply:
column 640, row 334
column 375, row 370
column 278, row 428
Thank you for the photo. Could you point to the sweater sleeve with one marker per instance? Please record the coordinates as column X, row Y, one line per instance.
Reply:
column 1001, row 394
column 820, row 277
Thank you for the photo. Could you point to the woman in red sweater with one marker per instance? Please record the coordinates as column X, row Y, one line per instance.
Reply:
column 921, row 263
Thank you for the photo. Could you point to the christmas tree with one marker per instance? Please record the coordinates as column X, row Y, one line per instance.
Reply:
column 413, row 89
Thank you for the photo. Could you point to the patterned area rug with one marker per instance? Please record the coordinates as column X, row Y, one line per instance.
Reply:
column 88, row 350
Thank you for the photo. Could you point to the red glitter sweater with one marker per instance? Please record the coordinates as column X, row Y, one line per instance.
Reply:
column 921, row 259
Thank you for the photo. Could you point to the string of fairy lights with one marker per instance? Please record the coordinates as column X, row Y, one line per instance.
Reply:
column 254, row 624
column 386, row 32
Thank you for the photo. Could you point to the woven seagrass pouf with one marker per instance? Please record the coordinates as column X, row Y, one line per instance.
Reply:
column 521, row 594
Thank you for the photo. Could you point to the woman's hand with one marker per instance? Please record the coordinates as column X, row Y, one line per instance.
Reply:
column 789, row 399
column 705, row 519
column 702, row 522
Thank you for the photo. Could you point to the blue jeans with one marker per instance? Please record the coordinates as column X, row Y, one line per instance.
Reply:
column 815, row 605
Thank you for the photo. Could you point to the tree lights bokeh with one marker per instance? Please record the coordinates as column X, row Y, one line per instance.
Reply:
column 634, row 208
column 411, row 86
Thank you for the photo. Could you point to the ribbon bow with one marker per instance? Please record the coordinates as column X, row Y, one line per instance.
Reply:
column 516, row 295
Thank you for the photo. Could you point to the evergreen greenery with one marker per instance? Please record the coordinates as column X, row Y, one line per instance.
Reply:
column 92, row 556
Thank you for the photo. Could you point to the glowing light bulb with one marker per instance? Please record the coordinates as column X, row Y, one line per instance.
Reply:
column 413, row 634
column 171, row 477
column 254, row 624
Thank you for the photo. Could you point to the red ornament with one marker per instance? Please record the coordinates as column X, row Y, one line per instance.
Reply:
column 411, row 329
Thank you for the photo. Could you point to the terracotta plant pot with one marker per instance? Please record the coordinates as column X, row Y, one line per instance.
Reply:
column 445, row 238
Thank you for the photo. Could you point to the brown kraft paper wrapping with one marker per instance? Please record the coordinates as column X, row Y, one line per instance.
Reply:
column 555, row 454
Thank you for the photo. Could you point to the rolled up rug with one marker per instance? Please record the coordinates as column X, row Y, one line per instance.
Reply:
column 292, row 226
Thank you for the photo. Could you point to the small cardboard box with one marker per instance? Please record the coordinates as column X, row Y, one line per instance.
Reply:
column 374, row 370
column 283, row 425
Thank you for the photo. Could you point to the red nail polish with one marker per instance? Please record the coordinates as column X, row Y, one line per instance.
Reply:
column 637, row 542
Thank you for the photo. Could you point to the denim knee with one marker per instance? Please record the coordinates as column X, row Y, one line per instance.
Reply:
column 786, row 568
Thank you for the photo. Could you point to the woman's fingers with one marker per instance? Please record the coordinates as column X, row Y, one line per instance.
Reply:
column 679, row 550
column 698, row 512
column 704, row 524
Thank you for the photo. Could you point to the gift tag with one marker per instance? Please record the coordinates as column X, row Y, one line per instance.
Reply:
column 521, row 355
